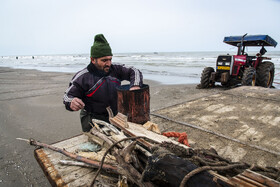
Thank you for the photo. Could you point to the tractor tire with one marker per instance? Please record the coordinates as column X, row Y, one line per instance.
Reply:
column 249, row 77
column 205, row 81
column 265, row 74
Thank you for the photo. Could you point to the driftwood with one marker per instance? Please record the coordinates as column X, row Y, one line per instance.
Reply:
column 134, row 153
column 109, row 126
column 125, row 158
column 102, row 136
column 124, row 167
column 108, row 168
column 75, row 163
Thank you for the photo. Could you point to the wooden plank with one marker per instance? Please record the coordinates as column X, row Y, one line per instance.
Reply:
column 253, row 182
column 55, row 157
column 48, row 168
column 57, row 174
column 133, row 129
column 138, row 130
column 261, row 178
column 239, row 182
column 220, row 177
column 74, row 175
column 69, row 143
column 120, row 124
column 87, row 179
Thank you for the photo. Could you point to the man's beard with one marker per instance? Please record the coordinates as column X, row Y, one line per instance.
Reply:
column 103, row 72
column 108, row 69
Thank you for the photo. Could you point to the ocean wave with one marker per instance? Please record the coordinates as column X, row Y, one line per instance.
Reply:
column 181, row 67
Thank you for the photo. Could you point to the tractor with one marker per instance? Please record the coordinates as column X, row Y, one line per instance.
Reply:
column 232, row 70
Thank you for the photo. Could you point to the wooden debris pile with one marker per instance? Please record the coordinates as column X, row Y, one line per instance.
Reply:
column 136, row 156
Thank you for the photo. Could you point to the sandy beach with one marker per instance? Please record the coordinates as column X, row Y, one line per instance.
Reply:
column 31, row 107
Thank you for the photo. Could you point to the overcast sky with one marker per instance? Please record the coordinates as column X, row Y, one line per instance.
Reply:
column 34, row 27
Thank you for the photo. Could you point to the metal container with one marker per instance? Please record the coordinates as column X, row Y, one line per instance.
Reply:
column 134, row 104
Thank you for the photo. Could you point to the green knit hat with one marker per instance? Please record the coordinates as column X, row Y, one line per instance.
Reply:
column 100, row 47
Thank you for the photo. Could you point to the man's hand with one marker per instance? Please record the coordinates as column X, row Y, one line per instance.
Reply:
column 77, row 104
column 135, row 88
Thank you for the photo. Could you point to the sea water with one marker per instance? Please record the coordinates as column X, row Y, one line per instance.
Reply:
column 164, row 67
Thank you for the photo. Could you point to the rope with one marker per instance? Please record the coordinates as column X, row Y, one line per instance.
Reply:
column 204, row 168
column 208, row 159
column 182, row 137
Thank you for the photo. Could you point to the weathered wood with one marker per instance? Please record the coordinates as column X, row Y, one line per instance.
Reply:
column 260, row 178
column 124, row 168
column 152, row 127
column 73, row 175
column 138, row 130
column 220, row 177
column 97, row 156
column 60, row 175
column 126, row 153
column 120, row 125
column 103, row 180
column 68, row 170
column 106, row 167
column 48, row 168
column 109, row 126
column 74, row 141
column 70, row 144
column 59, row 156
column 76, row 174
column 74, row 163
column 240, row 182
column 102, row 136
column 249, row 181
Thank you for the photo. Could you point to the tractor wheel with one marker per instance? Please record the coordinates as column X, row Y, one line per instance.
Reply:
column 265, row 74
column 249, row 77
column 205, row 81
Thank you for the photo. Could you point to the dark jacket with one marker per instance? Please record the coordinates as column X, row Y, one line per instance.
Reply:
column 98, row 90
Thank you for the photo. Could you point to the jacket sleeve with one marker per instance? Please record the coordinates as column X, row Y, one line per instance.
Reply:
column 74, row 90
column 130, row 74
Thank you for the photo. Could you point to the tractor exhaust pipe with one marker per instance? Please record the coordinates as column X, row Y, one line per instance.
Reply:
column 240, row 45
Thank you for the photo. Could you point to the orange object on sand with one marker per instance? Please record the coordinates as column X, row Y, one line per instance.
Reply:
column 182, row 137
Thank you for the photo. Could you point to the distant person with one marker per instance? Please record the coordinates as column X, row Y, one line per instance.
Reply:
column 93, row 89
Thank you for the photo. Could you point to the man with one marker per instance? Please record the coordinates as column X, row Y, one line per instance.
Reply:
column 94, row 88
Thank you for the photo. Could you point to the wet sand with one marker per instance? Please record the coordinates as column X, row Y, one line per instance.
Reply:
column 31, row 107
